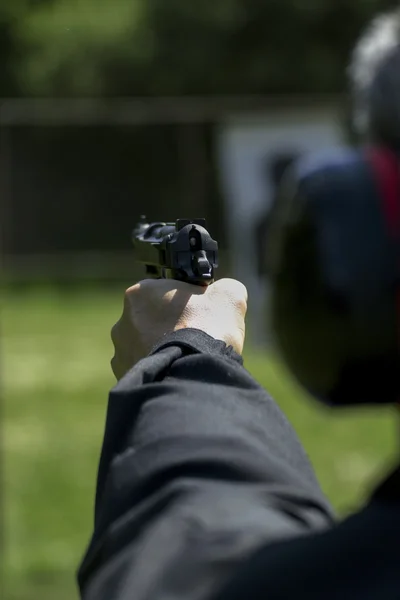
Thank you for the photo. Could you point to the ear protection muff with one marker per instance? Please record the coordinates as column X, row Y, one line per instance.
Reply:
column 335, row 276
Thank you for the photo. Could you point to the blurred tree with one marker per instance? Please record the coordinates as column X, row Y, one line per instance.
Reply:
column 125, row 47
column 61, row 177
column 70, row 45
column 9, row 14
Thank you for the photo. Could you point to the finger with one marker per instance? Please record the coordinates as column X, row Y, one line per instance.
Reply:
column 131, row 291
column 231, row 287
column 119, row 368
column 115, row 333
column 164, row 286
column 114, row 367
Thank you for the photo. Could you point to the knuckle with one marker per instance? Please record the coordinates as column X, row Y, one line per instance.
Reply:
column 115, row 333
column 128, row 294
column 239, row 290
column 113, row 363
column 238, row 295
column 243, row 291
column 134, row 288
column 241, row 303
column 139, row 292
column 233, row 288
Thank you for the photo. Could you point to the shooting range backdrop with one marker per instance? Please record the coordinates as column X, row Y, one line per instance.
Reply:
column 246, row 145
column 75, row 175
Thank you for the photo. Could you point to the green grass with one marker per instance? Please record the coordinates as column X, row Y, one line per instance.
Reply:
column 56, row 350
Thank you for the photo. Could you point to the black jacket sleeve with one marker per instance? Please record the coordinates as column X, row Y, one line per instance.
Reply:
column 358, row 559
column 199, row 468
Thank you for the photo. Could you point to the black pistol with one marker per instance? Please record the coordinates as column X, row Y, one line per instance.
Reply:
column 183, row 250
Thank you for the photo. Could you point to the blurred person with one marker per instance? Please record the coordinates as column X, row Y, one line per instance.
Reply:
column 204, row 490
column 276, row 168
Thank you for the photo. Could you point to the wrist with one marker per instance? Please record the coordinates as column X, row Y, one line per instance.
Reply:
column 197, row 341
column 219, row 334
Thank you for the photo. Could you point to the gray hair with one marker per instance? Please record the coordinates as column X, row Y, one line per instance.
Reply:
column 374, row 74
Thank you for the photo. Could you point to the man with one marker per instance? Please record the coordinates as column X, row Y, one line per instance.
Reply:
column 204, row 491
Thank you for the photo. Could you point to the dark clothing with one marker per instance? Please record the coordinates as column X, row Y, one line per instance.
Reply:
column 358, row 559
column 202, row 481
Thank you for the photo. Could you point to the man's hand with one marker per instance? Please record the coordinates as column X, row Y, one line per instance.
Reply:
column 153, row 308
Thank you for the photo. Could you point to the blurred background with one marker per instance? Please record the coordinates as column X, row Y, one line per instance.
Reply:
column 114, row 108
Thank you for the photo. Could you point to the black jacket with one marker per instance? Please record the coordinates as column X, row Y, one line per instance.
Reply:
column 205, row 492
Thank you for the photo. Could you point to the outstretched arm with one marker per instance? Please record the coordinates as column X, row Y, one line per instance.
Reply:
column 199, row 468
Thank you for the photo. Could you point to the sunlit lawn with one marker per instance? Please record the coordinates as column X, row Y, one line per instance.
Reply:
column 56, row 351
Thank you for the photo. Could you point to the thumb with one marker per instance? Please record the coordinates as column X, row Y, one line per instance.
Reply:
column 235, row 290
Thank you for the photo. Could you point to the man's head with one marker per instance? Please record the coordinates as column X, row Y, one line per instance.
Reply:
column 374, row 74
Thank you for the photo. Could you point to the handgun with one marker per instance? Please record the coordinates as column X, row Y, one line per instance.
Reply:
column 184, row 250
